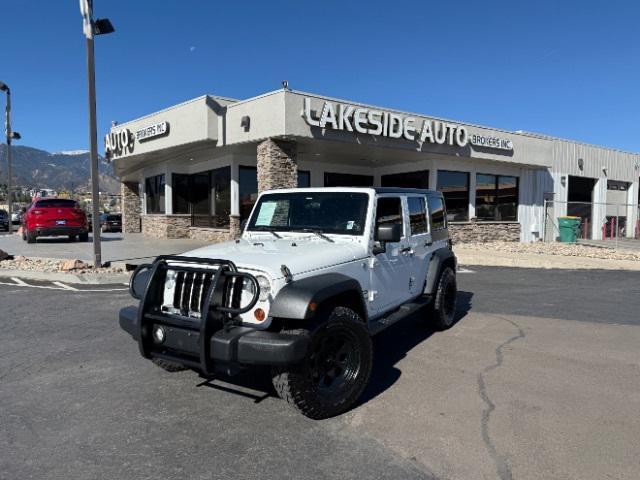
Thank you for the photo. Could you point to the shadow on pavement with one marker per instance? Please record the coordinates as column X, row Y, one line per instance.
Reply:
column 393, row 345
column 389, row 347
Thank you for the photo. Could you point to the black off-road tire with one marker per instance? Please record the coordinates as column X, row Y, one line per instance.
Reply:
column 83, row 237
column 169, row 366
column 72, row 238
column 31, row 236
column 340, row 351
column 443, row 307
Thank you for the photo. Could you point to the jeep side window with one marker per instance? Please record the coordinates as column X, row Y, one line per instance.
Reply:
column 436, row 208
column 388, row 211
column 417, row 215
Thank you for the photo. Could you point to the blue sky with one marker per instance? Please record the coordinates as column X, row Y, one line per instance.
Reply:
column 566, row 68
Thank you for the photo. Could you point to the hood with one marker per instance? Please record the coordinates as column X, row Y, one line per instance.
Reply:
column 269, row 255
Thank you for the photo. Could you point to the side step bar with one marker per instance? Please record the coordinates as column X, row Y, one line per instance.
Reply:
column 376, row 326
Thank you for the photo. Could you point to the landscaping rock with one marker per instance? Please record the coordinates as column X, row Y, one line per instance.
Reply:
column 75, row 264
column 4, row 255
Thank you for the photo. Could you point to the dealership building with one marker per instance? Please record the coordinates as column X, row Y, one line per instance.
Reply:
column 195, row 169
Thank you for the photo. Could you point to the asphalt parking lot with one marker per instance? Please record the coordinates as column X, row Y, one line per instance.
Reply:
column 538, row 379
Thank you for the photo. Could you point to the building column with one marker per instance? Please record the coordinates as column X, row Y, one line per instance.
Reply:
column 130, row 207
column 598, row 208
column 633, row 208
column 277, row 165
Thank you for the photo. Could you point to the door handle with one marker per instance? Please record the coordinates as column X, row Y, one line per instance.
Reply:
column 406, row 250
column 429, row 243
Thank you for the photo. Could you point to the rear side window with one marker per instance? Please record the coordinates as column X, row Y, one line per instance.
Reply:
column 417, row 215
column 58, row 203
column 388, row 211
column 436, row 209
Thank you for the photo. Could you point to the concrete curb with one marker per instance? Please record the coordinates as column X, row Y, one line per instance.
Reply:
column 490, row 258
column 73, row 278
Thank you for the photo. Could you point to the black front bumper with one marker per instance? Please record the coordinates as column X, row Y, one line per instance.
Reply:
column 237, row 345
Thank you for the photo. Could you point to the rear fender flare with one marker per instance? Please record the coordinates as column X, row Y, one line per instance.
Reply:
column 441, row 257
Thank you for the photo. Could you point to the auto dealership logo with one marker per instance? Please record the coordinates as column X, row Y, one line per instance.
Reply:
column 386, row 124
column 118, row 143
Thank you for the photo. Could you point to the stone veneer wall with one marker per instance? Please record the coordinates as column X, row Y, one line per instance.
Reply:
column 179, row 226
column 166, row 226
column 277, row 165
column 130, row 207
column 483, row 232
column 213, row 235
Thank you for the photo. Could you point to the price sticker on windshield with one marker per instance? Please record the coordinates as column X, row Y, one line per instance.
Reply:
column 265, row 215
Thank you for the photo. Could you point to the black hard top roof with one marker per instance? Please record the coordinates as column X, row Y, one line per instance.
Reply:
column 420, row 191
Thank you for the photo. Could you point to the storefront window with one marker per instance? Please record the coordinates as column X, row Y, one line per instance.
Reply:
column 455, row 188
column 347, row 180
column 248, row 190
column 496, row 197
column 304, row 179
column 419, row 179
column 204, row 195
column 180, row 189
column 154, row 193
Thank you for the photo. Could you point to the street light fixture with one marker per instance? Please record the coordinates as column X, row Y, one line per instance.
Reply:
column 11, row 135
column 100, row 26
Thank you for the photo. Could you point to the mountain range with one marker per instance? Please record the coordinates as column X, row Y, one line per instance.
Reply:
column 68, row 170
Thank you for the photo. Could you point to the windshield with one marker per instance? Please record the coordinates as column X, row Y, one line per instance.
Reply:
column 325, row 212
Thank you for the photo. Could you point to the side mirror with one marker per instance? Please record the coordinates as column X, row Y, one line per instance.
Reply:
column 389, row 233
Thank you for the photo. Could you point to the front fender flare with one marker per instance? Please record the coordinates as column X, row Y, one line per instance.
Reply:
column 293, row 300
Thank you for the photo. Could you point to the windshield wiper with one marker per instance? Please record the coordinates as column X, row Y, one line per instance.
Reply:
column 315, row 232
column 266, row 229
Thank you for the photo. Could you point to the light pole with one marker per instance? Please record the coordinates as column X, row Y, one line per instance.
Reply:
column 10, row 136
column 91, row 28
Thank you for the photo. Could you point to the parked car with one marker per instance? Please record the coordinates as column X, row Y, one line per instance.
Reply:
column 4, row 220
column 54, row 217
column 315, row 274
column 111, row 222
column 16, row 217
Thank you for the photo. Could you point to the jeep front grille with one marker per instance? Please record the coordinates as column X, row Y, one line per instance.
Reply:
column 190, row 291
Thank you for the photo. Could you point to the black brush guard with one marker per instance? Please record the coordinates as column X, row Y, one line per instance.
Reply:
column 216, row 340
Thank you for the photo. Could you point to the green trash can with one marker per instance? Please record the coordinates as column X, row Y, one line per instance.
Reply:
column 569, row 227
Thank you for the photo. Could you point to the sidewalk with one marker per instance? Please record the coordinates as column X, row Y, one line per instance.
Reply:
column 576, row 257
column 134, row 249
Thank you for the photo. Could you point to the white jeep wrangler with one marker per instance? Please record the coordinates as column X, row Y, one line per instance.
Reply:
column 316, row 273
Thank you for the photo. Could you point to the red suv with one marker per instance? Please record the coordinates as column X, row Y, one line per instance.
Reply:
column 54, row 216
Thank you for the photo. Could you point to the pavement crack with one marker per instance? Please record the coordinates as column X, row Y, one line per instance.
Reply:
column 502, row 467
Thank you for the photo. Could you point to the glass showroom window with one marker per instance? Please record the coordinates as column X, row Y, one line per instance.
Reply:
column 154, row 193
column 248, row 190
column 304, row 178
column 347, row 180
column 496, row 198
column 419, row 179
column 455, row 188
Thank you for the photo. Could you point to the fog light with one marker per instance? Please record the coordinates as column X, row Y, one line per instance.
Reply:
column 259, row 314
column 158, row 334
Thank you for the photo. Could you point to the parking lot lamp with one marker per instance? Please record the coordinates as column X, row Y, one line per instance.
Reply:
column 91, row 28
column 11, row 135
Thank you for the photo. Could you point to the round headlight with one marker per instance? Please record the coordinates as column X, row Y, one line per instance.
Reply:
column 265, row 287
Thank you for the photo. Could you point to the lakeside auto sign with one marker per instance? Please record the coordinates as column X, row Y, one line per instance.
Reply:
column 380, row 123
column 122, row 142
